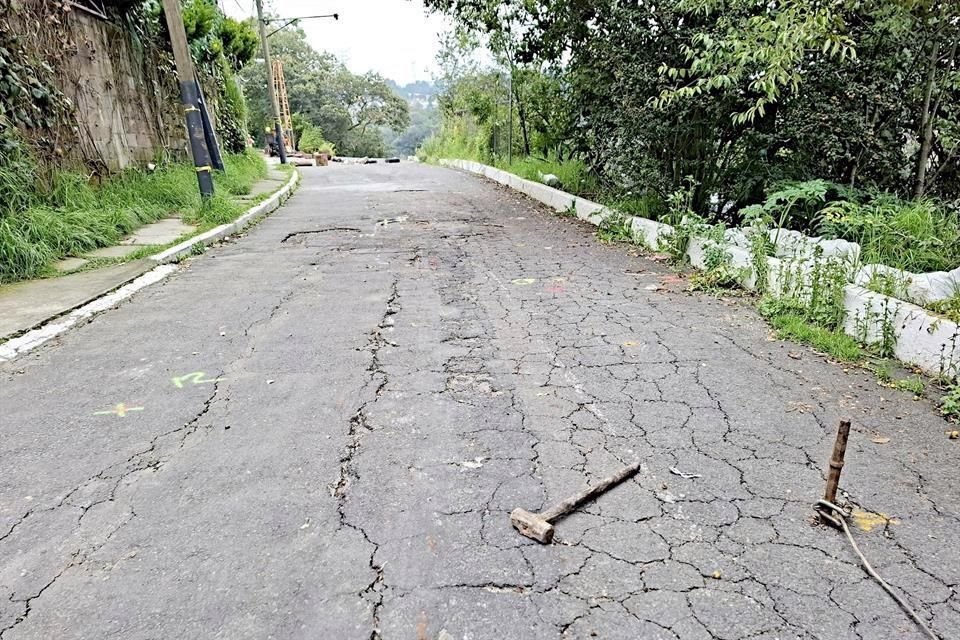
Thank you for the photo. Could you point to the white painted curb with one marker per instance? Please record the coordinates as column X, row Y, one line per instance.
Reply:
column 923, row 339
column 217, row 234
column 34, row 338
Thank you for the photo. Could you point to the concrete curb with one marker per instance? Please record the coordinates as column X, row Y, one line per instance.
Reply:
column 61, row 322
column 271, row 204
column 923, row 339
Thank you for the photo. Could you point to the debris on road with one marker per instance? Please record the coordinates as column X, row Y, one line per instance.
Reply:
column 386, row 221
column 476, row 463
column 538, row 525
column 685, row 476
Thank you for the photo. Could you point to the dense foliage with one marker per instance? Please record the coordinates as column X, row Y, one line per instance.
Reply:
column 348, row 108
column 220, row 46
column 49, row 207
column 726, row 98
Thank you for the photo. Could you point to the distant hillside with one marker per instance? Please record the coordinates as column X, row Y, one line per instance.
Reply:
column 424, row 116
column 421, row 92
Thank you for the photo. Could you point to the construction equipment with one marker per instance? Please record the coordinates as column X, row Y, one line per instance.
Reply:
column 538, row 525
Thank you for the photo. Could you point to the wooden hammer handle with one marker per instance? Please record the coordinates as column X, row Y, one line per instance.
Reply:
column 575, row 500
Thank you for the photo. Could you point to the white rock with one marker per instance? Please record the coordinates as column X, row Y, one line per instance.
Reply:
column 793, row 244
column 737, row 237
column 870, row 271
column 925, row 288
column 849, row 251
column 789, row 243
column 550, row 180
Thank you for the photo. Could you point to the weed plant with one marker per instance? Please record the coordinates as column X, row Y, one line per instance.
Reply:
column 918, row 236
column 74, row 217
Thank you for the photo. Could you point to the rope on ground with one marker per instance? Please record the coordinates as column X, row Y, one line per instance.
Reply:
column 842, row 520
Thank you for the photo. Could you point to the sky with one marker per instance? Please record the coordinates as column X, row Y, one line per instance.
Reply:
column 395, row 38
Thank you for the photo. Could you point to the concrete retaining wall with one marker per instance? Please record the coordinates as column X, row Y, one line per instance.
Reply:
column 923, row 339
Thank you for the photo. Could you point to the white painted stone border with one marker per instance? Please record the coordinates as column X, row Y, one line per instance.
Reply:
column 35, row 337
column 928, row 341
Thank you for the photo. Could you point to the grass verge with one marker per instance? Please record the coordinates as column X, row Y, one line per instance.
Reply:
column 834, row 343
column 75, row 217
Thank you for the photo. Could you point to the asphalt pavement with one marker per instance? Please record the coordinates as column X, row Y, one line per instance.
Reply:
column 318, row 430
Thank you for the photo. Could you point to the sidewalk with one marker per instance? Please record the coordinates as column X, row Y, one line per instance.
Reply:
column 25, row 305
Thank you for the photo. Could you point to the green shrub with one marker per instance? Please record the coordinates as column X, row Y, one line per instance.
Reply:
column 312, row 141
column 918, row 236
column 647, row 205
column 950, row 403
column 573, row 174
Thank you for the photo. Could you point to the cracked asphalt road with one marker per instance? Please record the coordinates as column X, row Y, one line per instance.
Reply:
column 371, row 400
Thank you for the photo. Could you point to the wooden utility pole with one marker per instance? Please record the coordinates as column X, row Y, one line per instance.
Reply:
column 189, row 96
column 277, row 128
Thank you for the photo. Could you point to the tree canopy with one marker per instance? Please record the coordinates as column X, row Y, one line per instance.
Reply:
column 729, row 97
column 349, row 109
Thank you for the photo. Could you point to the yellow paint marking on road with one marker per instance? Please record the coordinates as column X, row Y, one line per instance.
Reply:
column 868, row 521
column 120, row 410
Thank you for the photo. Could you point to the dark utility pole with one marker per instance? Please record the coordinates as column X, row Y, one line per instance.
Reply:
column 277, row 128
column 209, row 133
column 190, row 96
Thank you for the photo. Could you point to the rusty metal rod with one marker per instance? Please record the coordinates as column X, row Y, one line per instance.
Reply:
column 836, row 462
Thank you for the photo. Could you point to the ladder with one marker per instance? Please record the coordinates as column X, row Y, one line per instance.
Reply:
column 280, row 87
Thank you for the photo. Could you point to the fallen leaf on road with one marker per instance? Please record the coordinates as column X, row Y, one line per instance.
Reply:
column 716, row 575
column 795, row 356
column 652, row 287
column 879, row 440
column 523, row 281
column 422, row 627
column 630, row 343
column 953, row 435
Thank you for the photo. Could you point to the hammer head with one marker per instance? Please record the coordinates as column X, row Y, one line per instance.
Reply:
column 532, row 525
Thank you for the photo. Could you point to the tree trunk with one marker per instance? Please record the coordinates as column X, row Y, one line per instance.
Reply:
column 927, row 117
column 522, row 114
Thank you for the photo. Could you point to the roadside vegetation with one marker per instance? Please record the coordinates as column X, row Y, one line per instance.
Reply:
column 58, row 196
column 75, row 216
column 836, row 120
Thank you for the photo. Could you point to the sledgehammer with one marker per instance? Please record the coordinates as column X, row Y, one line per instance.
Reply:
column 537, row 525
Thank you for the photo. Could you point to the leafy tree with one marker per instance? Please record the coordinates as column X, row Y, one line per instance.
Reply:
column 348, row 108
column 728, row 96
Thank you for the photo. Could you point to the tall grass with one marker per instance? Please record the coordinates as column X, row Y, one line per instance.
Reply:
column 574, row 176
column 74, row 217
column 456, row 140
column 919, row 236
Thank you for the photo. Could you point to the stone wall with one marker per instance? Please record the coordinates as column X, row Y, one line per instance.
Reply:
column 127, row 101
